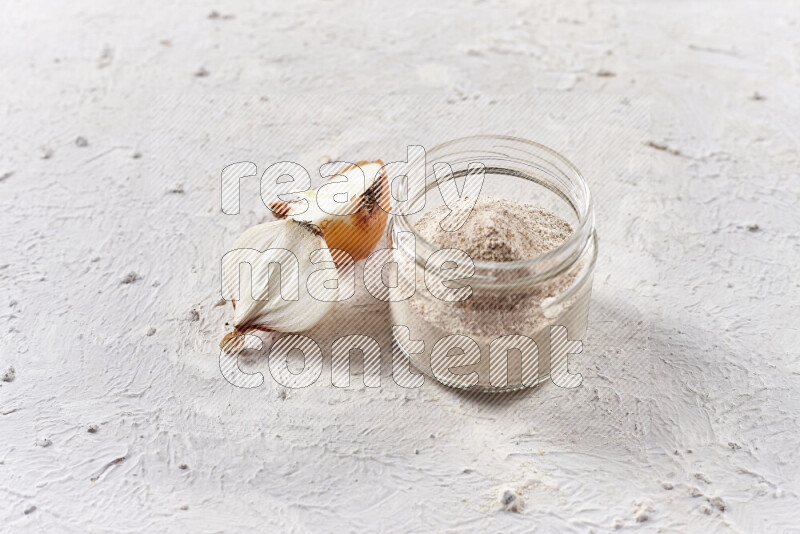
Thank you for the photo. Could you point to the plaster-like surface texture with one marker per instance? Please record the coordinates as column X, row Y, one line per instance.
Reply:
column 682, row 116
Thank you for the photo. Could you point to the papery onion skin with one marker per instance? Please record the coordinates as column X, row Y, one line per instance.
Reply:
column 358, row 233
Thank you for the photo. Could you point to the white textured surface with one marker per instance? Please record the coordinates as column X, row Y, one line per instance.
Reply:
column 691, row 366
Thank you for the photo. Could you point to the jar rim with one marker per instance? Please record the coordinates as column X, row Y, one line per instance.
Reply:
column 544, row 266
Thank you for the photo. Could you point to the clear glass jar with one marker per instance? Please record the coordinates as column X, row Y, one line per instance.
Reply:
column 524, row 297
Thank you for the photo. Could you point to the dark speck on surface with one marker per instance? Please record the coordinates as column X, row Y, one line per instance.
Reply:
column 663, row 148
column 701, row 477
column 215, row 15
column 9, row 375
column 131, row 277
column 510, row 501
column 717, row 503
column 81, row 142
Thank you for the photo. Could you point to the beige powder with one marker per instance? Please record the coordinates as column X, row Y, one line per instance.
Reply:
column 497, row 230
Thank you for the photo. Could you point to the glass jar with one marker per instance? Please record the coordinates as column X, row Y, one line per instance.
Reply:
column 522, row 298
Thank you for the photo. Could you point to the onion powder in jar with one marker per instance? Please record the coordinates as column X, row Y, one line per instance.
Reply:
column 526, row 257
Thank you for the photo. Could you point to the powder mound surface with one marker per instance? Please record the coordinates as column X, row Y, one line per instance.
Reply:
column 497, row 230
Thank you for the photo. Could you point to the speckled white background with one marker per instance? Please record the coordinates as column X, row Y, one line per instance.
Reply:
column 691, row 368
